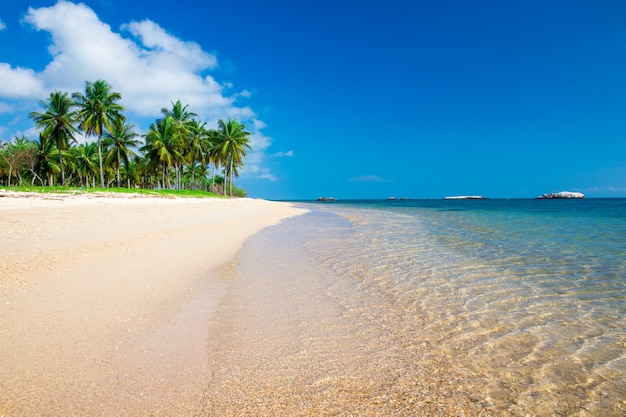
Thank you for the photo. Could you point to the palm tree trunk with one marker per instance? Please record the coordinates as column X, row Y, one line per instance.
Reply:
column 193, row 172
column 100, row 161
column 225, row 182
column 163, row 186
column 231, row 178
column 61, row 168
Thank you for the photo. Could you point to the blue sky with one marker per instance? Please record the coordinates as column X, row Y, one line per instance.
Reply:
column 353, row 99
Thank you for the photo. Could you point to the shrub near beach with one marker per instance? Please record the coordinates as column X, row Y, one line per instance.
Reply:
column 178, row 151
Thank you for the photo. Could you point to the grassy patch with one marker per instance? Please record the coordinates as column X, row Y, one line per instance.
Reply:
column 79, row 190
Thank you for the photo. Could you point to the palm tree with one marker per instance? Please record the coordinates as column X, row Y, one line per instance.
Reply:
column 70, row 164
column 57, row 123
column 163, row 145
column 211, row 152
column 146, row 171
column 87, row 161
column 198, row 146
column 132, row 172
column 179, row 113
column 119, row 141
column 45, row 166
column 232, row 143
column 98, row 108
column 183, row 119
column 196, row 174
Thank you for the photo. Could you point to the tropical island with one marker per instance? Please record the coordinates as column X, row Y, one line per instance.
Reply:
column 178, row 152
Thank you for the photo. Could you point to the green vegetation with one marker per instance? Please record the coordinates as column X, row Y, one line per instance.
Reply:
column 179, row 155
column 139, row 191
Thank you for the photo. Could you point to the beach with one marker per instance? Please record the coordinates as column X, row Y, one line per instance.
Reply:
column 133, row 306
column 105, row 300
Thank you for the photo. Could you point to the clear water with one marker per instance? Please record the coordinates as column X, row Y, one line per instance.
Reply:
column 525, row 298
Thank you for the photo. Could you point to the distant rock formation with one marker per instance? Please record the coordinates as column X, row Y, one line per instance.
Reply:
column 562, row 194
column 466, row 197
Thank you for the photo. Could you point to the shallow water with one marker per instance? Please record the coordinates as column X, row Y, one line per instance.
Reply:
column 432, row 308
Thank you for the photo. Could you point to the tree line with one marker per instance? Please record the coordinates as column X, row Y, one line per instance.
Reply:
column 179, row 151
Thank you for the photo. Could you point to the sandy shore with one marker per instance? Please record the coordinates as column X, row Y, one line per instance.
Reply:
column 104, row 301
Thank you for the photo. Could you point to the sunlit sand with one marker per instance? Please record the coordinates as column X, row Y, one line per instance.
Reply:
column 105, row 301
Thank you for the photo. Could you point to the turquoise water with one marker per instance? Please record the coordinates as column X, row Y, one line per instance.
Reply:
column 527, row 298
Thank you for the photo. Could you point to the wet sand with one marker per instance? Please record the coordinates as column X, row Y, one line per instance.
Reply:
column 105, row 302
column 291, row 338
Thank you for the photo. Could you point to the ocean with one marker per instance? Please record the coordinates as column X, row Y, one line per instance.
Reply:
column 529, row 296
column 442, row 307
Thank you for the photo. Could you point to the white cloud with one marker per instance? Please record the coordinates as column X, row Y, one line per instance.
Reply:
column 280, row 154
column 3, row 26
column 368, row 178
column 19, row 83
column 150, row 68
column 259, row 144
column 245, row 93
column 168, row 50
column 262, row 173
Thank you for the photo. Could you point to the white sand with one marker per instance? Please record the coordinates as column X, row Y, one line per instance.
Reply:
column 104, row 301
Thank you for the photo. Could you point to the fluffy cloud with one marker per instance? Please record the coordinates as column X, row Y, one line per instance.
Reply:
column 19, row 83
column 149, row 66
column 169, row 50
column 3, row 26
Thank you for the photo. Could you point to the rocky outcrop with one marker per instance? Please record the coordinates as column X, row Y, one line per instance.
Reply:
column 562, row 194
column 466, row 197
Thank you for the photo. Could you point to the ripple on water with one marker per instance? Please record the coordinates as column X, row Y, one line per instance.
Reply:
column 536, row 322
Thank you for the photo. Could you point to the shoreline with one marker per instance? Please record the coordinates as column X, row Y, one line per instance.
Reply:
column 105, row 300
column 322, row 344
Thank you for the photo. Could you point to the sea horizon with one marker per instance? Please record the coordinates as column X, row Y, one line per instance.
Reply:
column 405, row 199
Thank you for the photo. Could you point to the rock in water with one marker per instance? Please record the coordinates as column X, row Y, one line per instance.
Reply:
column 563, row 194
column 466, row 197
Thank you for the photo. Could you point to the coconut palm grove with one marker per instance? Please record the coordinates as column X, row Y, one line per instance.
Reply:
column 178, row 151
